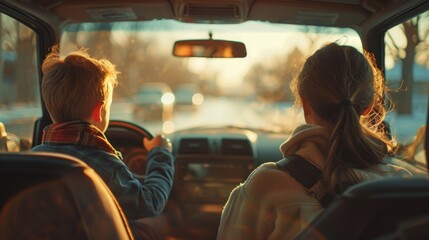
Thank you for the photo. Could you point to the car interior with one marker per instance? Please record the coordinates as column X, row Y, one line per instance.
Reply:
column 240, row 57
column 370, row 204
column 56, row 196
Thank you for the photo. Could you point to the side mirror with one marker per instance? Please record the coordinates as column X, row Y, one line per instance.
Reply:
column 209, row 48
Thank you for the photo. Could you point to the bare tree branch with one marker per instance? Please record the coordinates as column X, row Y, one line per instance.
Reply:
column 425, row 34
column 393, row 41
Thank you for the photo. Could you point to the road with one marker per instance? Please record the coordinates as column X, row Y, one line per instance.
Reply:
column 214, row 111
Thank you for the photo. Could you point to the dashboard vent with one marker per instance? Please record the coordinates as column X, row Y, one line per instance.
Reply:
column 236, row 147
column 194, row 146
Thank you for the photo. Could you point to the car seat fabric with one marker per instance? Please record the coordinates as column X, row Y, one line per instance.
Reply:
column 55, row 196
column 372, row 210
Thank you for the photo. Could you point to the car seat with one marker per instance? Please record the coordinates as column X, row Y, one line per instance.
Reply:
column 55, row 196
column 379, row 209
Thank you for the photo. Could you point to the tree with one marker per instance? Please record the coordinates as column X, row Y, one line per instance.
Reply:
column 288, row 70
column 25, row 69
column 272, row 82
column 17, row 62
column 414, row 47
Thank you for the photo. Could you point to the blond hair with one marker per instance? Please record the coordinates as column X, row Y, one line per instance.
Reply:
column 74, row 84
column 340, row 84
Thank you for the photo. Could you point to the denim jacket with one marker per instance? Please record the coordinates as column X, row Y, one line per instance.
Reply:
column 138, row 200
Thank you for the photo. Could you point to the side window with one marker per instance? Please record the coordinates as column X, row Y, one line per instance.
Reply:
column 407, row 75
column 19, row 94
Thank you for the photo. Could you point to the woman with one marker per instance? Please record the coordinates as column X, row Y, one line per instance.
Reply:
column 341, row 92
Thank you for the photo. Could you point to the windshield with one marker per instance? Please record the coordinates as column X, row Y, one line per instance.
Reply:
column 248, row 92
column 195, row 93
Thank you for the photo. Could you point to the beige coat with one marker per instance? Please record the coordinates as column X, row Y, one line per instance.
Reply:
column 270, row 204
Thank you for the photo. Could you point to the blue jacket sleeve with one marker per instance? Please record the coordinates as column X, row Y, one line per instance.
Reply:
column 149, row 198
column 138, row 200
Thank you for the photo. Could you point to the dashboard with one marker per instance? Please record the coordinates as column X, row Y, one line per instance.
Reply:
column 210, row 162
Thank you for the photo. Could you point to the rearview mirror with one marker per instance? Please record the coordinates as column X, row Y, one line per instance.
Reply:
column 209, row 48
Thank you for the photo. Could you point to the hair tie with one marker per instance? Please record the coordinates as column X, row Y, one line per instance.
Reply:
column 346, row 103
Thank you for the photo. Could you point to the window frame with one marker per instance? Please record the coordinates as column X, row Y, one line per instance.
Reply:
column 45, row 38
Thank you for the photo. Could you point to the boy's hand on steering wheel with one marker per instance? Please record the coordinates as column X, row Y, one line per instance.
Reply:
column 157, row 141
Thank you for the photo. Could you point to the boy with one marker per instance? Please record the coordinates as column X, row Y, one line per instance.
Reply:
column 77, row 90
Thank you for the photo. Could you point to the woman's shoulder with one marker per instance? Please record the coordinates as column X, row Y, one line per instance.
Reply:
column 268, row 178
column 395, row 170
column 404, row 166
column 381, row 170
column 266, row 170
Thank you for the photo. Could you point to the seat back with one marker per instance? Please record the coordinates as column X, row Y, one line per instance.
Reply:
column 55, row 196
column 373, row 210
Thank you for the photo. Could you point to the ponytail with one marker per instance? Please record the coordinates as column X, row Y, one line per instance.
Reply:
column 350, row 99
column 351, row 146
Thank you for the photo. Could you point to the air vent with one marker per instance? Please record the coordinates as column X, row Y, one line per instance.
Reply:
column 308, row 17
column 194, row 146
column 211, row 11
column 236, row 147
column 111, row 14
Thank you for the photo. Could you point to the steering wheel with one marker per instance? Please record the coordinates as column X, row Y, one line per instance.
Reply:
column 128, row 138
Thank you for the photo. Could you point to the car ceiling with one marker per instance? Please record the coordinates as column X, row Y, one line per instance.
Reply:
column 357, row 14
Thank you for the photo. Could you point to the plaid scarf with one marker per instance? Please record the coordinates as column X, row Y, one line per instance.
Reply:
column 77, row 133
